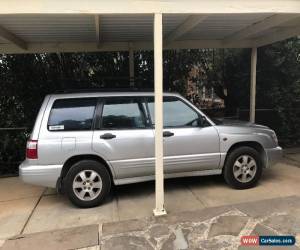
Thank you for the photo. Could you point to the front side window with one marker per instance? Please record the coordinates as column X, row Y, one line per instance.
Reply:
column 176, row 113
column 72, row 114
column 122, row 113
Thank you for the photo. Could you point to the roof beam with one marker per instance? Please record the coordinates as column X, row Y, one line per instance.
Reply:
column 277, row 35
column 98, row 31
column 258, row 27
column 191, row 22
column 150, row 7
column 7, row 35
column 116, row 46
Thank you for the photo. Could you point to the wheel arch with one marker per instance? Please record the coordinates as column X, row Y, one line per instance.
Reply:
column 76, row 158
column 252, row 144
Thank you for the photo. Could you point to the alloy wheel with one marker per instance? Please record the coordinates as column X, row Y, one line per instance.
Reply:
column 87, row 185
column 244, row 168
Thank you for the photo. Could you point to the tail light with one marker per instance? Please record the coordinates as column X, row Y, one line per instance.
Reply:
column 32, row 149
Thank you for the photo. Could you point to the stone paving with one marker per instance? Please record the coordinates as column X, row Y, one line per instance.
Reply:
column 213, row 228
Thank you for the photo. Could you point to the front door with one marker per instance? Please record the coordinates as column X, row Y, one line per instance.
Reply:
column 189, row 145
column 124, row 137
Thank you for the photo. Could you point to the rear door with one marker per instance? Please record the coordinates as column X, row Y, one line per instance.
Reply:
column 124, row 137
column 188, row 145
column 67, row 131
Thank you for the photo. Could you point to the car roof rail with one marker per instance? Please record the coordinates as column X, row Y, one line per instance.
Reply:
column 89, row 90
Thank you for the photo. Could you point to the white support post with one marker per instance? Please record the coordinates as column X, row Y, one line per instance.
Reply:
column 131, row 66
column 158, row 108
column 253, row 84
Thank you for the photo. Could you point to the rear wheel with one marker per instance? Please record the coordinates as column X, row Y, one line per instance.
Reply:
column 243, row 168
column 87, row 183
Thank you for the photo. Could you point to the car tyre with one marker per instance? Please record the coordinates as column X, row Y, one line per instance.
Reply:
column 243, row 168
column 87, row 183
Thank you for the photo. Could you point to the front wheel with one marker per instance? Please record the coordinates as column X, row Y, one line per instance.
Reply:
column 87, row 183
column 243, row 168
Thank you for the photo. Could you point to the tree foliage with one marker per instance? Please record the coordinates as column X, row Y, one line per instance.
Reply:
column 26, row 79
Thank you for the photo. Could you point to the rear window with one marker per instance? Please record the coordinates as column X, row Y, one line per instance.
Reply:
column 72, row 114
column 123, row 113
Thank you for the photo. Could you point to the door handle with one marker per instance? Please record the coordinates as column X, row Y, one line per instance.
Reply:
column 167, row 134
column 107, row 136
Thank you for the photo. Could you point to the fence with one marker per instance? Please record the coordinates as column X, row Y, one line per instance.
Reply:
column 286, row 123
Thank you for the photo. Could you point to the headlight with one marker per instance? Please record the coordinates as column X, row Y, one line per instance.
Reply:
column 274, row 137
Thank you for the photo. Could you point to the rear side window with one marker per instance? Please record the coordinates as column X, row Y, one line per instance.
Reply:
column 122, row 113
column 72, row 114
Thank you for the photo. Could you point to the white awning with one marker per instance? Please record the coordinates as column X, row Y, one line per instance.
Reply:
column 82, row 26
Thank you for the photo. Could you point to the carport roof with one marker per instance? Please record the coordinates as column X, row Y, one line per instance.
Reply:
column 73, row 26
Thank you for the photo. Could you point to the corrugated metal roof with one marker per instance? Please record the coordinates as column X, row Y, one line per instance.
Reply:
column 221, row 26
column 126, row 27
column 53, row 28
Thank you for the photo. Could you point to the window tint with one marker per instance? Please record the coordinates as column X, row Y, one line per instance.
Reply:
column 175, row 113
column 122, row 113
column 72, row 114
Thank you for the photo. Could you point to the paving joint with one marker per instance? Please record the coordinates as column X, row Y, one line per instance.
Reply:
column 196, row 197
column 117, row 205
column 31, row 213
column 45, row 195
column 99, row 233
column 291, row 161
column 22, row 198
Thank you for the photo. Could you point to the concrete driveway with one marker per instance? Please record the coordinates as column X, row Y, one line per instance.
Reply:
column 28, row 209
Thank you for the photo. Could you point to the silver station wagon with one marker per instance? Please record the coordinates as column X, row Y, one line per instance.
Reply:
column 83, row 143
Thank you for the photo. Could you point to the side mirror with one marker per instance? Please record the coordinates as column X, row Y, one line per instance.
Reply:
column 202, row 121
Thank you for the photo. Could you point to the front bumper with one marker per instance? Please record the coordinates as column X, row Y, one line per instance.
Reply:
column 274, row 155
column 42, row 175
